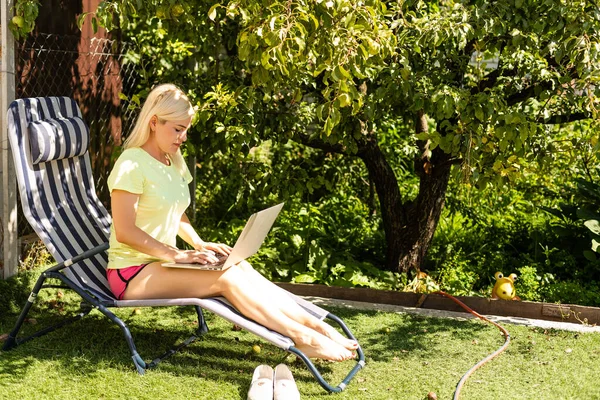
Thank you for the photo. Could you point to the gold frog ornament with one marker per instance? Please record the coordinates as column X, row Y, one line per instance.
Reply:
column 504, row 288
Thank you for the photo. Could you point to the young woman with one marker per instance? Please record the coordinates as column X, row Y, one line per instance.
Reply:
column 149, row 196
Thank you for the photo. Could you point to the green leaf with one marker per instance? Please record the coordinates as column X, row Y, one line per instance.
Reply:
column 314, row 20
column 587, row 214
column 405, row 72
column 335, row 115
column 344, row 99
column 328, row 126
column 265, row 60
column 335, row 74
column 589, row 255
column 304, row 278
column 595, row 245
column 319, row 69
column 344, row 72
column 297, row 95
column 81, row 19
column 422, row 136
column 593, row 225
column 319, row 111
column 479, row 113
column 297, row 241
column 212, row 12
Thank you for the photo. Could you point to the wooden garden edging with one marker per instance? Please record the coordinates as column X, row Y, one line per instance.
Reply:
column 520, row 309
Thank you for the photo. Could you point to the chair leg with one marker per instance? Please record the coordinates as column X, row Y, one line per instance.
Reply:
column 139, row 363
column 13, row 341
column 202, row 327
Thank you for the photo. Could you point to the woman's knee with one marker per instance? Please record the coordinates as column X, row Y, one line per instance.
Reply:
column 233, row 278
column 245, row 266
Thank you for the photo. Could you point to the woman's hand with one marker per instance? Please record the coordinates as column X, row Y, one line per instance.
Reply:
column 195, row 256
column 218, row 248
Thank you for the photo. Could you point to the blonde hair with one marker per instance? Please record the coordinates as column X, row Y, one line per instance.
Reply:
column 168, row 103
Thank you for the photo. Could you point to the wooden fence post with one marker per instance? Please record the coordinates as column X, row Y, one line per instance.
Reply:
column 8, row 188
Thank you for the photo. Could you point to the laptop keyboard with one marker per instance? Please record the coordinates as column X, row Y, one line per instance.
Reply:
column 222, row 258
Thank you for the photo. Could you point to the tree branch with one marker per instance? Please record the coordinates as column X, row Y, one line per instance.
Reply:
column 527, row 93
column 318, row 143
column 563, row 119
column 492, row 78
column 487, row 82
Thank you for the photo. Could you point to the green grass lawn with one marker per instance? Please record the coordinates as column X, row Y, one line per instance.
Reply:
column 90, row 360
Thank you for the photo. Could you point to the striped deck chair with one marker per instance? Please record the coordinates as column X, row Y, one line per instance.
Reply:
column 49, row 142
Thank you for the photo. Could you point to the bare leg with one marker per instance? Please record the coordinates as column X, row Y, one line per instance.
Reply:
column 155, row 281
column 290, row 308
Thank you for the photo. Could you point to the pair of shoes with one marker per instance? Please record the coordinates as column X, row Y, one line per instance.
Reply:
column 277, row 385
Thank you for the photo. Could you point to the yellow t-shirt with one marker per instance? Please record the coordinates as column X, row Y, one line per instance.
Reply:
column 164, row 197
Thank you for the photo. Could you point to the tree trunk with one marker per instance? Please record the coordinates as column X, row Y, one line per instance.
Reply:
column 409, row 225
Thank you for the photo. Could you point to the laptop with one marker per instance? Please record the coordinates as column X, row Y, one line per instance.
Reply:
column 252, row 237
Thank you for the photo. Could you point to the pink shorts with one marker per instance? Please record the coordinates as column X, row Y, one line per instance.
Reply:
column 118, row 279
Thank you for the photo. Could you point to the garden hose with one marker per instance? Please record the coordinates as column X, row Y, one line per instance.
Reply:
column 486, row 359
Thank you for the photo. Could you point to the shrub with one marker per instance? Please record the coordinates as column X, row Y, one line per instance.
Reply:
column 528, row 283
column 571, row 292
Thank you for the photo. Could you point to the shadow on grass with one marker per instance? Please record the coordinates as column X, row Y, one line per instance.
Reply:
column 406, row 333
column 93, row 344
column 14, row 292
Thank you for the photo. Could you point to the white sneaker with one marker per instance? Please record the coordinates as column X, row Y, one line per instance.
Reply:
column 284, row 386
column 261, row 387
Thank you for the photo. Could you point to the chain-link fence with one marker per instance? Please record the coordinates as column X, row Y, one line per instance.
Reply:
column 93, row 71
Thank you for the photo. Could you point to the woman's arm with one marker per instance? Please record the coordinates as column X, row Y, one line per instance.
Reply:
column 189, row 234
column 124, row 209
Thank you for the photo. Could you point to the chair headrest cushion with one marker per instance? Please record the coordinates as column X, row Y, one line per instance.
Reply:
column 54, row 139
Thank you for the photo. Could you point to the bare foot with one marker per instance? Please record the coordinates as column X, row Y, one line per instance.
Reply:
column 320, row 346
column 337, row 337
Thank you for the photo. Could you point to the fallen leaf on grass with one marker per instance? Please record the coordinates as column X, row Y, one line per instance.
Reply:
column 3, row 337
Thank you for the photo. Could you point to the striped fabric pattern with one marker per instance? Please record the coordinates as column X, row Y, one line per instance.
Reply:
column 58, row 196
column 54, row 139
column 59, row 201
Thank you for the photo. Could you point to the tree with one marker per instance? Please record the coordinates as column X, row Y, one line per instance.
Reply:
column 476, row 84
